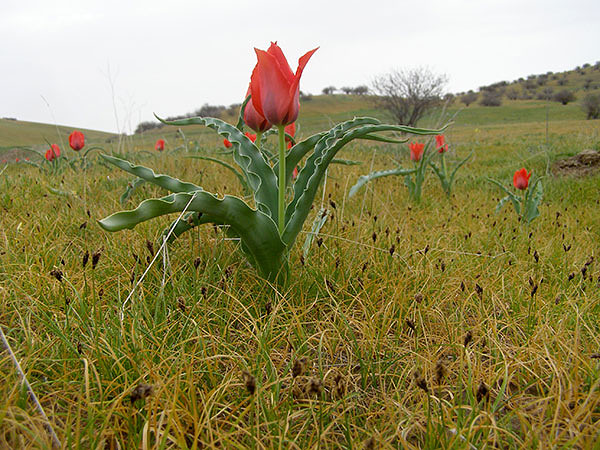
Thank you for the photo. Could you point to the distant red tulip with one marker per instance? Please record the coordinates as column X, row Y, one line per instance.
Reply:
column 160, row 145
column 76, row 140
column 53, row 152
column 4, row 161
column 440, row 143
column 250, row 136
column 17, row 160
column 521, row 179
column 26, row 159
column 275, row 88
column 295, row 173
column 254, row 119
column 416, row 150
column 227, row 144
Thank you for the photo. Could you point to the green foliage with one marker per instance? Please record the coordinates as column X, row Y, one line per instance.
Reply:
column 265, row 246
column 526, row 206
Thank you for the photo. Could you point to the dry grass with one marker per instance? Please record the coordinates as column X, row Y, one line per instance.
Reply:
column 408, row 326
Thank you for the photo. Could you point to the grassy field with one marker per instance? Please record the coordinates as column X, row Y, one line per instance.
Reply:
column 421, row 326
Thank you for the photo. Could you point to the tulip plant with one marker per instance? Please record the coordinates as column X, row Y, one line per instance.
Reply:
column 526, row 205
column 420, row 158
column 442, row 172
column 268, row 231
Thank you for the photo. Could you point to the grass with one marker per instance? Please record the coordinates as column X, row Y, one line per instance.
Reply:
column 408, row 326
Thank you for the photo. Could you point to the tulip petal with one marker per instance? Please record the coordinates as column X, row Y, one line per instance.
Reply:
column 271, row 87
column 275, row 51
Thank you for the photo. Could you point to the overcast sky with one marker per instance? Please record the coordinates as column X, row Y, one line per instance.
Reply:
column 62, row 60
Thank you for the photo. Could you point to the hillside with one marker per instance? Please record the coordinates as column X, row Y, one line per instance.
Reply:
column 14, row 133
column 525, row 100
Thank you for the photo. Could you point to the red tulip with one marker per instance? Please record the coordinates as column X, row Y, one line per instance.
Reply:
column 295, row 173
column 275, row 88
column 254, row 119
column 416, row 150
column 53, row 152
column 521, row 179
column 440, row 143
column 76, row 140
column 4, row 161
column 160, row 145
column 17, row 160
column 250, row 136
column 227, row 144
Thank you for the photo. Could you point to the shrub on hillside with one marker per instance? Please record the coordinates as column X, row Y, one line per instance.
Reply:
column 329, row 90
column 145, row 126
column 361, row 90
column 307, row 97
column 565, row 96
column 591, row 106
column 469, row 97
column 562, row 82
column 512, row 93
column 545, row 94
column 491, row 98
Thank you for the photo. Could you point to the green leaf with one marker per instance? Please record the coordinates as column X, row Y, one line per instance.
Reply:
column 259, row 174
column 240, row 177
column 533, row 200
column 364, row 179
column 516, row 201
column 131, row 187
column 240, row 122
column 164, row 181
column 256, row 230
column 501, row 203
column 459, row 165
column 187, row 222
column 346, row 162
column 311, row 175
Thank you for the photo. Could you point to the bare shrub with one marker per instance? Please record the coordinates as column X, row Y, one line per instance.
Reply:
column 408, row 94
column 469, row 97
column 329, row 90
column 591, row 106
column 565, row 96
column 491, row 98
column 512, row 93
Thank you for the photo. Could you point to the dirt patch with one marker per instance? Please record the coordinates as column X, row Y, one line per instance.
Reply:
column 585, row 163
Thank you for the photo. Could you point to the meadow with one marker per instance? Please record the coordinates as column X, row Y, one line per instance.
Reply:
column 437, row 325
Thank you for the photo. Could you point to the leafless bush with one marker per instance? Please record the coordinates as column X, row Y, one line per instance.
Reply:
column 591, row 106
column 469, row 97
column 408, row 94
column 512, row 93
column 491, row 98
column 328, row 90
column 565, row 96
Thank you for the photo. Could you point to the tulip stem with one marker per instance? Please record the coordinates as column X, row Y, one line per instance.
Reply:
column 281, row 204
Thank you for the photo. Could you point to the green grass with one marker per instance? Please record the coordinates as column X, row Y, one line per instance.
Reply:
column 364, row 317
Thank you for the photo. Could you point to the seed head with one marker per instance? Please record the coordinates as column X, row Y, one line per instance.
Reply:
column 468, row 338
column 299, row 367
column 249, row 382
column 57, row 273
column 140, row 392
column 96, row 258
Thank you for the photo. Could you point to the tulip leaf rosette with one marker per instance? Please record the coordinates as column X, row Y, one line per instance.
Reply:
column 266, row 230
column 525, row 205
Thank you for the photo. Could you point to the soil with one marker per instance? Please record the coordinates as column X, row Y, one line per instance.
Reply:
column 585, row 163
